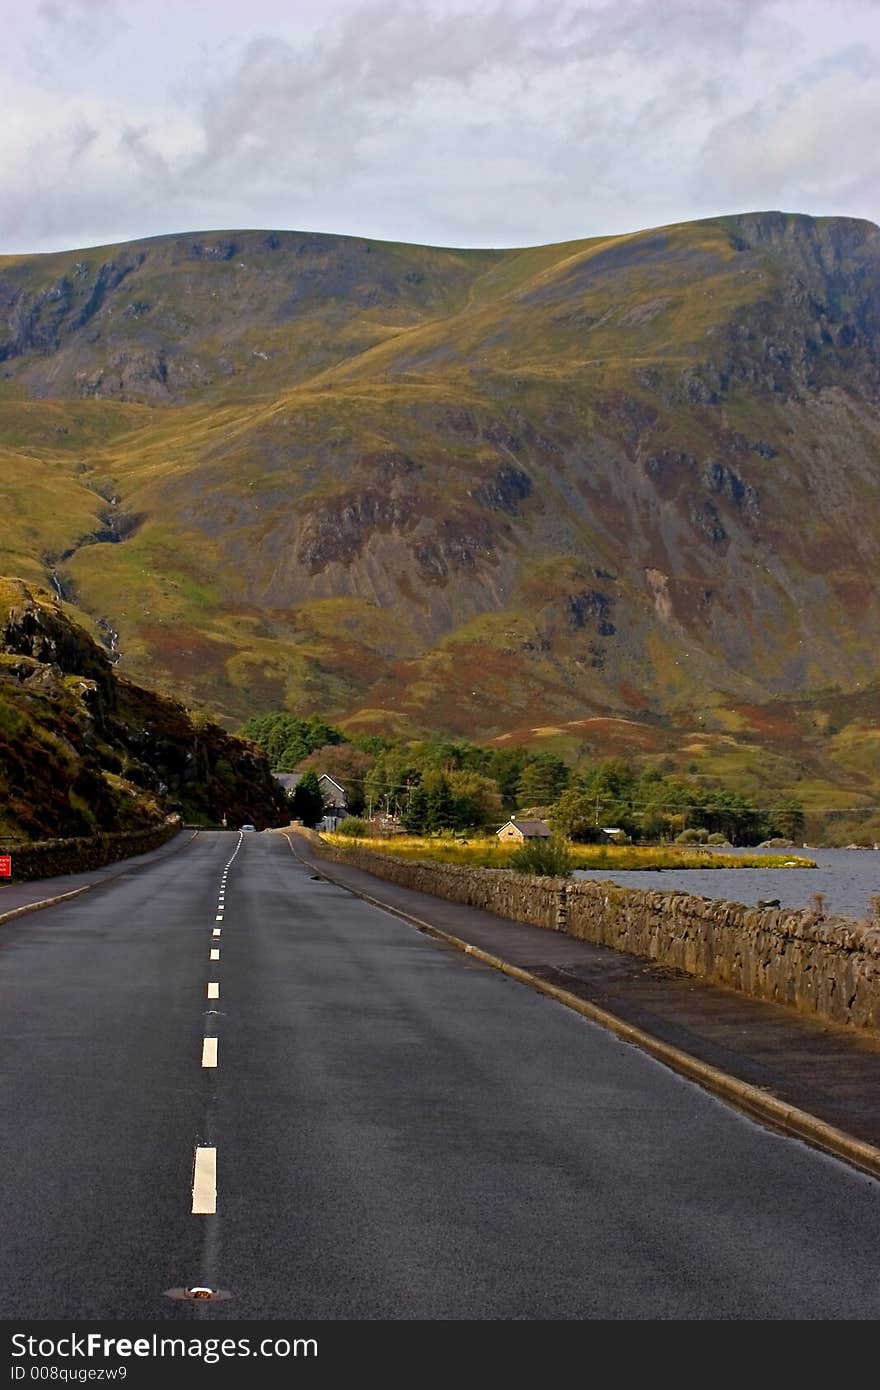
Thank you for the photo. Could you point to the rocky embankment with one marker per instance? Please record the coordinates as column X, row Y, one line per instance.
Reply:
column 83, row 750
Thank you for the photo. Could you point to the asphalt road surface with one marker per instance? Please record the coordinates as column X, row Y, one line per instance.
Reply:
column 368, row 1125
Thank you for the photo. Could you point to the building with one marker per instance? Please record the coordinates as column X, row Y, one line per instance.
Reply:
column 287, row 781
column 522, row 830
column 334, row 794
column 335, row 801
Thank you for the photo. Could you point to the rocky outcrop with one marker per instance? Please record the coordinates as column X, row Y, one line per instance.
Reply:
column 39, row 320
column 83, row 751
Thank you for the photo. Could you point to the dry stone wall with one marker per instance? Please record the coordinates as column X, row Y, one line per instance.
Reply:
column 47, row 858
column 828, row 966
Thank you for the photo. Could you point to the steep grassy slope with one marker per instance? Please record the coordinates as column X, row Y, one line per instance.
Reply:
column 629, row 478
column 84, row 750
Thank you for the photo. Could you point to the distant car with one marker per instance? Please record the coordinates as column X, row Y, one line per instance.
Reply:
column 248, row 827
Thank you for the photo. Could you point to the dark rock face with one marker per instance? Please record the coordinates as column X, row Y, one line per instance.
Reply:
column 339, row 530
column 706, row 522
column 77, row 722
column 504, row 491
column 591, row 606
column 38, row 322
column 630, row 417
column 41, row 632
column 458, row 545
column 720, row 479
column 669, row 469
column 220, row 250
column 828, row 320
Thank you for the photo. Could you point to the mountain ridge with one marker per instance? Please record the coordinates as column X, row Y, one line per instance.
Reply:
column 467, row 490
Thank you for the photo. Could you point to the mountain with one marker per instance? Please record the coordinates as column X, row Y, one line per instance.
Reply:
column 631, row 479
column 83, row 750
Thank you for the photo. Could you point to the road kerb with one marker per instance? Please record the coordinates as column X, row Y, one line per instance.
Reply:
column 48, row 902
column 755, row 1102
column 72, row 893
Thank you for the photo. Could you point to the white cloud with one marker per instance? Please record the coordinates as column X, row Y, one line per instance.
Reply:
column 470, row 121
column 818, row 142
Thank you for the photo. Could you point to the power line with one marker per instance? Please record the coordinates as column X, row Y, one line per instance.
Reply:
column 387, row 788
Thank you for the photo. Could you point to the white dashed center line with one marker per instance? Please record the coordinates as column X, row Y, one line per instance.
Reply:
column 209, row 1052
column 216, row 931
column 215, row 954
column 204, row 1201
column 213, row 989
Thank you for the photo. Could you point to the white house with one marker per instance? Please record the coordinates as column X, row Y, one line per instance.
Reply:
column 522, row 830
column 335, row 800
column 333, row 793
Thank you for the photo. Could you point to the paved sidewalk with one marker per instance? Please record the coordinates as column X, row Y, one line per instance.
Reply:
column 829, row 1071
column 15, row 895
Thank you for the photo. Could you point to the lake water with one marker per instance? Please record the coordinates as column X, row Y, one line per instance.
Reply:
column 846, row 878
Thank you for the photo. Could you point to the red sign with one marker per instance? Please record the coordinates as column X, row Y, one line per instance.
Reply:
column 5, row 866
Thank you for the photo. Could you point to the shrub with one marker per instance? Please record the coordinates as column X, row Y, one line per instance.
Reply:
column 692, row 837
column 717, row 839
column 550, row 857
column 354, row 827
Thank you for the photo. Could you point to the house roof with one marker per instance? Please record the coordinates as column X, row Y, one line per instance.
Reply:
column 287, row 780
column 325, row 777
column 529, row 827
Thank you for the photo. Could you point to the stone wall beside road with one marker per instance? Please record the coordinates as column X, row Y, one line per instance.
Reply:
column 828, row 966
column 49, row 858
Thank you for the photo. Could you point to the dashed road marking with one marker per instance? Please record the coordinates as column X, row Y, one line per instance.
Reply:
column 204, row 1193
column 209, row 1052
column 216, row 931
column 215, row 954
column 219, row 917
column 213, row 989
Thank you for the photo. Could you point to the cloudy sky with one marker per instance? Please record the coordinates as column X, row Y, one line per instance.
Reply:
column 455, row 122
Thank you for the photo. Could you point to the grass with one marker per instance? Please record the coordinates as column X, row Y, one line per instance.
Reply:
column 299, row 362
column 489, row 853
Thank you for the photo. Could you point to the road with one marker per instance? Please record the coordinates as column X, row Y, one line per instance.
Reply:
column 398, row 1132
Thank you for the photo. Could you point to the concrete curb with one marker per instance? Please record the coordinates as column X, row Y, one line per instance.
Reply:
column 758, row 1104
column 72, row 893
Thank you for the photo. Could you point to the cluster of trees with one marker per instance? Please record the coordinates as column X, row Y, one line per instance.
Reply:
column 440, row 784
column 287, row 740
column 650, row 806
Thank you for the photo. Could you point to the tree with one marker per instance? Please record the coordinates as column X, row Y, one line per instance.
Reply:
column 387, row 780
column 506, row 765
column 415, row 812
column 550, row 857
column 574, row 815
column 348, row 766
column 477, row 796
column 731, row 814
column 287, row 739
column 444, row 812
column 542, row 780
column 307, row 803
column 787, row 818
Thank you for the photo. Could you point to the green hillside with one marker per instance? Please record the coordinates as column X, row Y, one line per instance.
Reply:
column 632, row 479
